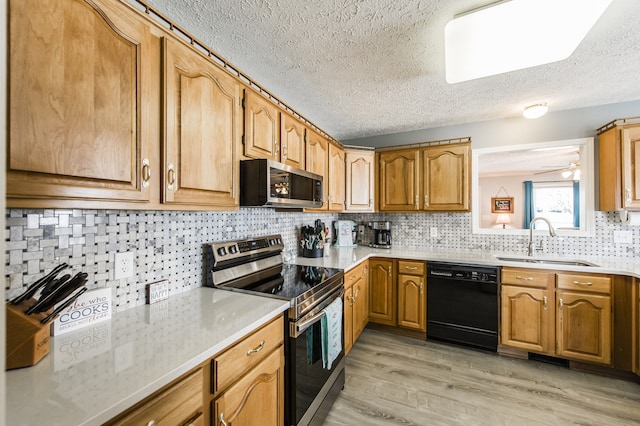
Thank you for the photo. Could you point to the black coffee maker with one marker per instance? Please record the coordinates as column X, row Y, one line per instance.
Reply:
column 381, row 234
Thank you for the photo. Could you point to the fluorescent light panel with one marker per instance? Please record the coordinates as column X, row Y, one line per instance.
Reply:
column 516, row 34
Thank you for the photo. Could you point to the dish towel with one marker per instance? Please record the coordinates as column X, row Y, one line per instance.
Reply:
column 331, row 329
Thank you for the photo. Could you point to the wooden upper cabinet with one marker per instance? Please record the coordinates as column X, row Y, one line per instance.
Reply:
column 83, row 84
column 261, row 127
column 317, row 161
column 399, row 182
column 336, row 178
column 446, row 178
column 202, row 130
column 292, row 133
column 359, row 180
column 618, row 160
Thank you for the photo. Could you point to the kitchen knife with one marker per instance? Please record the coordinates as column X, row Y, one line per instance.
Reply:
column 33, row 288
column 60, row 308
column 53, row 284
column 58, row 294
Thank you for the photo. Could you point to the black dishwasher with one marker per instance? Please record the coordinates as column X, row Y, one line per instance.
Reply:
column 462, row 304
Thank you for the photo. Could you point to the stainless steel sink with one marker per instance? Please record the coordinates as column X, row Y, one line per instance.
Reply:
column 567, row 262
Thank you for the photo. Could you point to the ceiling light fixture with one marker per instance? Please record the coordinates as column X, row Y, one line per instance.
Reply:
column 535, row 111
column 511, row 35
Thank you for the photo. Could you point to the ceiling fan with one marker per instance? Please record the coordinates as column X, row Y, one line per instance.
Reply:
column 572, row 170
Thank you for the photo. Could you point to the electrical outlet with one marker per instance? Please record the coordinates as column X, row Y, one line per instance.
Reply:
column 123, row 265
column 623, row 237
column 433, row 232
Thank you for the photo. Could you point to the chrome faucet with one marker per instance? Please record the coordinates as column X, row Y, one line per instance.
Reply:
column 552, row 232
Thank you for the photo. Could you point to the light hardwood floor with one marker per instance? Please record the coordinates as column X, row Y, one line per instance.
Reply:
column 397, row 380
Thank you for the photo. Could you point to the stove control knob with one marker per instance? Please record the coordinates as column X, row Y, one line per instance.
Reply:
column 222, row 251
column 279, row 241
column 272, row 242
column 233, row 249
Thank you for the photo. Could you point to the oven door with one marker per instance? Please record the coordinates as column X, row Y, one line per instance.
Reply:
column 309, row 380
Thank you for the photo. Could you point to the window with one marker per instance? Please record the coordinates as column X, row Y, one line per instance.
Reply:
column 555, row 201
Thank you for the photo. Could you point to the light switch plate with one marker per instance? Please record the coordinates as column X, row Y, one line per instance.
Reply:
column 623, row 237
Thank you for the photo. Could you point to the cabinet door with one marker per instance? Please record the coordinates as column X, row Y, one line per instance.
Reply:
column 317, row 159
column 360, row 180
column 412, row 302
column 527, row 319
column 349, row 303
column 336, row 178
column 261, row 127
column 292, row 147
column 630, row 163
column 382, row 292
column 82, row 91
column 202, row 130
column 583, row 327
column 361, row 309
column 257, row 398
column 399, row 180
column 446, row 178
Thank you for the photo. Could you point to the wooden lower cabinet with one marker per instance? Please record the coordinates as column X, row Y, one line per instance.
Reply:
column 382, row 292
column 583, row 327
column 412, row 300
column 568, row 315
column 356, row 303
column 180, row 403
column 527, row 320
column 257, row 398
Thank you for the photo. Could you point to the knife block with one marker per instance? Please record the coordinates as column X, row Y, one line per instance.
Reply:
column 27, row 339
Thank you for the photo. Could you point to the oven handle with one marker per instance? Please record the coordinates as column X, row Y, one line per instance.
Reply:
column 301, row 326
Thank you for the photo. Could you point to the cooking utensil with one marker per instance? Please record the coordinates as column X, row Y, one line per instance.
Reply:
column 58, row 294
column 60, row 308
column 33, row 288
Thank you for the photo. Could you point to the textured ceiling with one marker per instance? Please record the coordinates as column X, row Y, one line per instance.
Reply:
column 360, row 68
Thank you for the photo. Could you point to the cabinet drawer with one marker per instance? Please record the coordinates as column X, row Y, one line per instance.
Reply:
column 230, row 364
column 354, row 274
column 590, row 283
column 410, row 267
column 527, row 277
column 179, row 404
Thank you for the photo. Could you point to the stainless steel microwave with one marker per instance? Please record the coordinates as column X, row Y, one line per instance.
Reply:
column 268, row 183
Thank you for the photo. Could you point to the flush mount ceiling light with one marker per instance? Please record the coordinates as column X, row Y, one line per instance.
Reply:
column 512, row 35
column 535, row 111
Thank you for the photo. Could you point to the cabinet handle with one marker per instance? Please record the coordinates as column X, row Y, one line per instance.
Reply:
column 221, row 418
column 627, row 194
column 411, row 268
column 518, row 277
column 151, row 423
column 426, row 200
column 544, row 300
column 416, row 202
column 258, row 349
column 171, row 176
column 146, row 172
column 352, row 277
column 389, row 270
column 421, row 286
column 560, row 305
column 355, row 295
column 364, row 271
column 352, row 300
column 276, row 149
column 583, row 284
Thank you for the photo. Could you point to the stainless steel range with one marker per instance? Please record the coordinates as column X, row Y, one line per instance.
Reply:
column 255, row 266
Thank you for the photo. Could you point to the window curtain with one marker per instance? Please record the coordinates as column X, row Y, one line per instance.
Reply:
column 576, row 203
column 529, row 213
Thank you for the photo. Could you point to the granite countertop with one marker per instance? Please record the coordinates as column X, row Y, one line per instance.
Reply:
column 348, row 257
column 92, row 374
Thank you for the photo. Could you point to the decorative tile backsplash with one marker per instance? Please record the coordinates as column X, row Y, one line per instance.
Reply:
column 454, row 233
column 166, row 245
column 172, row 245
